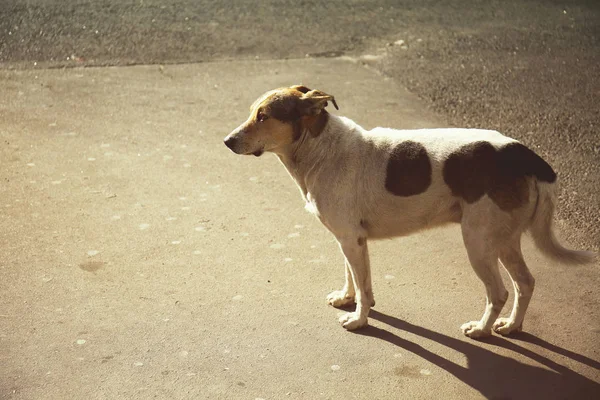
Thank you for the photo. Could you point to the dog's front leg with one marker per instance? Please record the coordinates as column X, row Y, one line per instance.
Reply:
column 357, row 260
column 340, row 298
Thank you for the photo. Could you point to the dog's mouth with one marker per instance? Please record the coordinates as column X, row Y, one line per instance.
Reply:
column 258, row 152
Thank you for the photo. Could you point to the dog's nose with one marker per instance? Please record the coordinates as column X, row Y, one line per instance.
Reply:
column 230, row 141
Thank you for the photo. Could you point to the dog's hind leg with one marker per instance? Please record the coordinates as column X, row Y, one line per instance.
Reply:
column 340, row 298
column 484, row 260
column 357, row 259
column 369, row 285
column 523, row 282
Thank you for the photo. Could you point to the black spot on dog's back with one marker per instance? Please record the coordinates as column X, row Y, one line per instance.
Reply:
column 478, row 168
column 518, row 160
column 468, row 170
column 408, row 170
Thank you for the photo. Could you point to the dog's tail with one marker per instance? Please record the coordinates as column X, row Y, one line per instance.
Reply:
column 543, row 235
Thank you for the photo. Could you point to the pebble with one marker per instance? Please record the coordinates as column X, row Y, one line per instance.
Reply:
column 370, row 58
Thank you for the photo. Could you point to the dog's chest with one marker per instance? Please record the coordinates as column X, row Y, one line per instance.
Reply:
column 311, row 205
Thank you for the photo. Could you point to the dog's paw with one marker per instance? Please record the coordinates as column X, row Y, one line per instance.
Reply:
column 505, row 326
column 352, row 321
column 474, row 330
column 371, row 301
column 339, row 298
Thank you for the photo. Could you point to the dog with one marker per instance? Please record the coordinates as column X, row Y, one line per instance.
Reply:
column 384, row 183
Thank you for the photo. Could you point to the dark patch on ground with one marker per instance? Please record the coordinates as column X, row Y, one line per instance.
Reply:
column 408, row 371
column 92, row 266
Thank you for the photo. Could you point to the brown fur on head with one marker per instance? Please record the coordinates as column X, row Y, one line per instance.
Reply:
column 278, row 118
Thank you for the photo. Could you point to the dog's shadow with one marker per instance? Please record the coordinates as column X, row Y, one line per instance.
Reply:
column 496, row 376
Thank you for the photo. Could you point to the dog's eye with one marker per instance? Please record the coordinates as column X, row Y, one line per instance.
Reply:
column 262, row 117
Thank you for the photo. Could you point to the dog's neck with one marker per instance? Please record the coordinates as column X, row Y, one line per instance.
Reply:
column 308, row 155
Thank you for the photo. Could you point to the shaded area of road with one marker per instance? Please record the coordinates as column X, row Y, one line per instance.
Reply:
column 108, row 32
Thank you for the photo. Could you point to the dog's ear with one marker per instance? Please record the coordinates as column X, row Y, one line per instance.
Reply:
column 314, row 101
column 300, row 88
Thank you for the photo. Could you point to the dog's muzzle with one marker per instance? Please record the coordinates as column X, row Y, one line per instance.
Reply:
column 234, row 142
column 231, row 142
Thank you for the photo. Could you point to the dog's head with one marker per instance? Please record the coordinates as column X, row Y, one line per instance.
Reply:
column 278, row 118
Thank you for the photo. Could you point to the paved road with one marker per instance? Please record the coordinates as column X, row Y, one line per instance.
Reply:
column 139, row 258
column 156, row 31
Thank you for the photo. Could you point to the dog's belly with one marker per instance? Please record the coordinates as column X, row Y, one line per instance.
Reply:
column 407, row 219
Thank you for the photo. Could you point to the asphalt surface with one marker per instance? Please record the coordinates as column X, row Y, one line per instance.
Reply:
column 140, row 258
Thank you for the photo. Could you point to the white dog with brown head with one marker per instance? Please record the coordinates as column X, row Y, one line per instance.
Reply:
column 383, row 183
